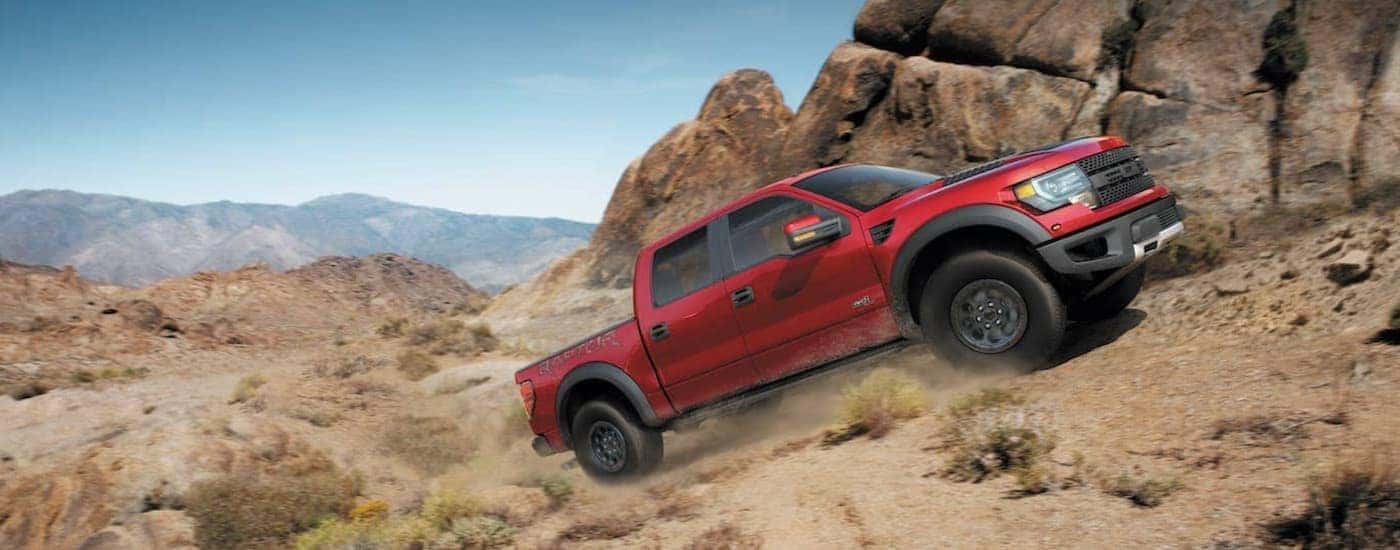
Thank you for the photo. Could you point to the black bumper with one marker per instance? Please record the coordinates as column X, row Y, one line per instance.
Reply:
column 1116, row 243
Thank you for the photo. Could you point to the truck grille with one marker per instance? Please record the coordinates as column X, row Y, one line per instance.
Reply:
column 1116, row 174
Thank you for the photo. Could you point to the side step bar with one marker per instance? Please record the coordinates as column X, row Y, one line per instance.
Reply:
column 749, row 398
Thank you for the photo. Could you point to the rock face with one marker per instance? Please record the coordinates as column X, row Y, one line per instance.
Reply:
column 939, row 85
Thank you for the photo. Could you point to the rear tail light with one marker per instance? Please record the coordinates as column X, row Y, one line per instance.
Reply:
column 527, row 398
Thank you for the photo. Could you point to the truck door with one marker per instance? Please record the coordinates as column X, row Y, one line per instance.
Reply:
column 687, row 322
column 800, row 308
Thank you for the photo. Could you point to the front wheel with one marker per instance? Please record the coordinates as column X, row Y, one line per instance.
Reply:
column 992, row 309
column 611, row 444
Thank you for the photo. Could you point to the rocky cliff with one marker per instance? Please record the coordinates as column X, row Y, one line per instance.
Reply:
column 1238, row 105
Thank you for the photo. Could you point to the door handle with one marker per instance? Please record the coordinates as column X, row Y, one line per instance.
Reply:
column 741, row 297
column 659, row 332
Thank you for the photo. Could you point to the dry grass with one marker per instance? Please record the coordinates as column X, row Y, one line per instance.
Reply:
column 558, row 489
column 603, row 527
column 991, row 432
column 458, row 386
column 1355, row 504
column 431, row 444
column 346, row 367
column 416, row 365
column 875, row 405
column 392, row 328
column 1261, row 428
column 1141, row 489
column 239, row 511
column 247, row 388
column 452, row 336
column 725, row 536
column 477, row 532
column 370, row 510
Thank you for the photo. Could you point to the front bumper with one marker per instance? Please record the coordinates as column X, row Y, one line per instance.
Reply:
column 1118, row 243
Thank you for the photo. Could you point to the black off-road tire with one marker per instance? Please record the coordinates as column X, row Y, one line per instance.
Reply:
column 1112, row 300
column 1013, row 281
column 600, row 422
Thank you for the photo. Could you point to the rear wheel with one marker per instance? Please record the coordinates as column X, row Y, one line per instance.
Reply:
column 611, row 444
column 1112, row 300
column 992, row 308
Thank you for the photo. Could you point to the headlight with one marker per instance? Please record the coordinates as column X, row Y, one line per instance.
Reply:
column 1052, row 190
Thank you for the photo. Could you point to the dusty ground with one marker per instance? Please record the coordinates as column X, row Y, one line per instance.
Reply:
column 1267, row 335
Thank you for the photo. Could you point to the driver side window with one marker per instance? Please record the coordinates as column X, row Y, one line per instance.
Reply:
column 756, row 231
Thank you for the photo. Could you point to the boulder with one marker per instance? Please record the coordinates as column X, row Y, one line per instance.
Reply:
column 896, row 25
column 1353, row 267
column 941, row 116
column 1324, row 107
column 1068, row 40
column 853, row 80
column 728, row 150
column 1217, row 156
column 982, row 33
column 1201, row 52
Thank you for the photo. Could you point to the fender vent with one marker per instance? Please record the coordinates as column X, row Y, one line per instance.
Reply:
column 881, row 233
column 972, row 172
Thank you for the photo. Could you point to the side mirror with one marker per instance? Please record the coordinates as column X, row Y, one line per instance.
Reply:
column 810, row 230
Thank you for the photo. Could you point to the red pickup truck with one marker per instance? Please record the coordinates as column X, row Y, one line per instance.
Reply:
column 824, row 268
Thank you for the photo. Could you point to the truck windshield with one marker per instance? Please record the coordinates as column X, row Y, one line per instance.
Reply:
column 864, row 187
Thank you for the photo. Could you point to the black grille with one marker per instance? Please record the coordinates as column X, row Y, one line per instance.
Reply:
column 1123, row 189
column 1116, row 174
column 1168, row 217
column 1105, row 159
column 881, row 233
column 974, row 171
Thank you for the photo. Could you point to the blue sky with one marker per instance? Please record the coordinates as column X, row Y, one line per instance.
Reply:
column 526, row 108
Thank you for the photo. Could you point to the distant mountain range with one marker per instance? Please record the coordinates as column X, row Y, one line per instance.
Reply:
column 135, row 242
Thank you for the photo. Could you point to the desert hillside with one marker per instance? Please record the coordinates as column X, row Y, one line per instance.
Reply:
column 1245, row 400
column 134, row 242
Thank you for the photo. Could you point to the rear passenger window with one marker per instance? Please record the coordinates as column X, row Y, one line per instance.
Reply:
column 756, row 230
column 681, row 267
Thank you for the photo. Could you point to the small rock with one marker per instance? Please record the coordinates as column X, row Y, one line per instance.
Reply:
column 1299, row 320
column 1331, row 248
column 1266, row 254
column 1288, row 274
column 1360, row 371
column 1230, row 288
column 1353, row 267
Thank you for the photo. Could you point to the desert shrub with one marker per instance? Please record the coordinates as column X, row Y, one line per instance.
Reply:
column 558, row 489
column 481, row 532
column 443, row 507
column 319, row 418
column 416, row 365
column 1355, row 504
column 345, row 367
column 991, row 432
column 335, row 534
column 1285, row 51
column 1260, row 427
column 876, row 404
column 82, row 376
column 247, row 387
column 603, row 527
column 411, row 532
column 392, row 328
column 430, row 444
column 1142, row 490
column 996, row 441
column 452, row 336
column 1198, row 250
column 26, row 390
column 370, row 510
column 725, row 536
column 234, row 511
